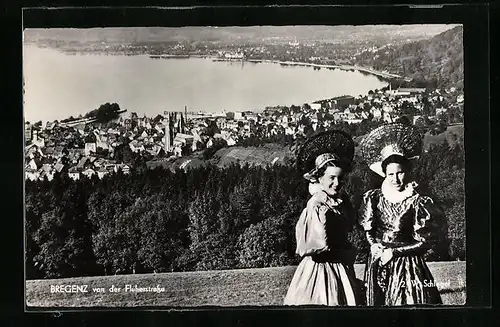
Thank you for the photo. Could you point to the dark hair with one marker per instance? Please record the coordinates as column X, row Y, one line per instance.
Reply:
column 321, row 171
column 403, row 161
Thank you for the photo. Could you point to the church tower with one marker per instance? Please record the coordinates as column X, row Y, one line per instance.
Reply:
column 179, row 123
column 167, row 132
column 185, row 115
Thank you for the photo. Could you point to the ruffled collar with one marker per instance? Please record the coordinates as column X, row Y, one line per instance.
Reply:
column 398, row 196
column 316, row 190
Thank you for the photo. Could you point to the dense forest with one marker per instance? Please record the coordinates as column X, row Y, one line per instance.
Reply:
column 204, row 218
column 437, row 62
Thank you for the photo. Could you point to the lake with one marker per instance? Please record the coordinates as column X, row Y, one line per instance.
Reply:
column 59, row 85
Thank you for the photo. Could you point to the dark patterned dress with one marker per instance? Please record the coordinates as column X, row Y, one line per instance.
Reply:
column 325, row 275
column 410, row 228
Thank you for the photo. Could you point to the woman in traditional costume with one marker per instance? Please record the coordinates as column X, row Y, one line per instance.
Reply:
column 400, row 224
column 325, row 275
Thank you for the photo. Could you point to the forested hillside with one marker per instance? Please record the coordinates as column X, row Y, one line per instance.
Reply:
column 436, row 62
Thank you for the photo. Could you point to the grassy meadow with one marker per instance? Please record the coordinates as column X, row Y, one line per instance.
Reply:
column 241, row 287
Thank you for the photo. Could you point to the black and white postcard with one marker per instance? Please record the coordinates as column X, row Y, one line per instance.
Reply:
column 228, row 166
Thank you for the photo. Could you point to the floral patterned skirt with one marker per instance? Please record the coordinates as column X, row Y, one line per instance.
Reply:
column 404, row 280
column 322, row 283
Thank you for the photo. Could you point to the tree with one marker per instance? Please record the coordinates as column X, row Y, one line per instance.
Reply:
column 456, row 231
column 186, row 150
column 219, row 248
column 263, row 244
column 102, row 152
column 202, row 212
column 124, row 154
column 105, row 112
column 103, row 211
column 35, row 207
column 126, row 238
column 427, row 107
column 157, row 119
column 404, row 120
column 158, row 234
column 420, row 122
column 447, row 189
column 202, row 229
column 455, row 114
column 216, row 146
column 407, row 108
column 64, row 240
column 50, row 240
column 212, row 128
column 443, row 119
column 246, row 202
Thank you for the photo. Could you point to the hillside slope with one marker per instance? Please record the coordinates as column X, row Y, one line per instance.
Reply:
column 240, row 287
column 271, row 153
column 438, row 60
column 268, row 154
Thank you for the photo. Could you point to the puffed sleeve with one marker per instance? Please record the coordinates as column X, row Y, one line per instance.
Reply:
column 427, row 229
column 310, row 230
column 366, row 215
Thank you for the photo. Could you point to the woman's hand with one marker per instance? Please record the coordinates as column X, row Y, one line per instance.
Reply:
column 376, row 250
column 386, row 256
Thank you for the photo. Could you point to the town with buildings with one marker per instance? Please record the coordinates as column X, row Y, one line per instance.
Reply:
column 314, row 45
column 81, row 149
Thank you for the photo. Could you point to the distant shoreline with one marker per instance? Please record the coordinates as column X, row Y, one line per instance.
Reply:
column 382, row 75
column 306, row 64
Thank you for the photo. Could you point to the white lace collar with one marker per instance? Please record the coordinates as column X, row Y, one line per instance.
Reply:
column 398, row 196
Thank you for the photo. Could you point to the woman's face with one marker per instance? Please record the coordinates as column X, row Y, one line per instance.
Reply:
column 396, row 176
column 331, row 181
